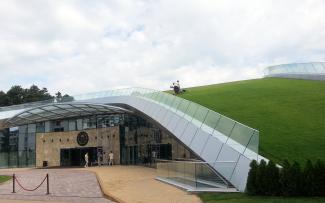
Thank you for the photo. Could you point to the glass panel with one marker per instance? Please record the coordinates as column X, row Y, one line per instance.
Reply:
column 191, row 110
column 319, row 68
column 182, row 107
column 13, row 159
column 175, row 103
column 288, row 69
column 299, row 68
column 168, row 100
column 211, row 121
column 200, row 115
column 163, row 99
column 3, row 159
column 195, row 174
column 225, row 125
column 240, row 137
column 225, row 169
column 252, row 147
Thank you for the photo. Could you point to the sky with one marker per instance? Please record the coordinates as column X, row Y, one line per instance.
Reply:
column 84, row 46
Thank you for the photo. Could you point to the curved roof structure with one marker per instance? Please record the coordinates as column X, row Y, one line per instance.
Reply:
column 225, row 144
column 56, row 111
column 312, row 71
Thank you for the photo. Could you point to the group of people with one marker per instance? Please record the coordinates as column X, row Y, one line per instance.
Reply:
column 177, row 87
column 99, row 156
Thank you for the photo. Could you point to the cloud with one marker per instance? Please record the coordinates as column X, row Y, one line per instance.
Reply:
column 82, row 46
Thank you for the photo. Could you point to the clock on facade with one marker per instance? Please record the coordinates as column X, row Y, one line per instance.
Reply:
column 82, row 138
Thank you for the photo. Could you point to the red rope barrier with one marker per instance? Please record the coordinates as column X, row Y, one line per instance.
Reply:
column 30, row 189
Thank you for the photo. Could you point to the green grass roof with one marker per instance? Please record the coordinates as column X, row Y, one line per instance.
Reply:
column 289, row 113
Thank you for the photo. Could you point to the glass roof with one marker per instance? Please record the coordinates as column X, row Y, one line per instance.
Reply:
column 62, row 110
column 317, row 68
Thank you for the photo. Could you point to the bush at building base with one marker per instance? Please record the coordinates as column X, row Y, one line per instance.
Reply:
column 288, row 180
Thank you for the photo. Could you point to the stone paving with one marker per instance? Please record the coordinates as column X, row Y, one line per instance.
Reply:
column 65, row 185
column 137, row 184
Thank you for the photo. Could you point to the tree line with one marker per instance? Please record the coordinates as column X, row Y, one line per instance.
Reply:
column 19, row 95
column 289, row 180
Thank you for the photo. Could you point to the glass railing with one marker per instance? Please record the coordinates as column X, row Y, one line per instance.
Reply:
column 237, row 135
column 297, row 68
column 35, row 104
column 193, row 174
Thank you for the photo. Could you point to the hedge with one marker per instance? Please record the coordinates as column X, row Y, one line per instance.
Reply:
column 288, row 180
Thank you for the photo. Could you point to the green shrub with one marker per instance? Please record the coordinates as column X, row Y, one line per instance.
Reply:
column 284, row 178
column 295, row 177
column 319, row 181
column 308, row 179
column 272, row 179
column 251, row 187
column 261, row 178
column 290, row 180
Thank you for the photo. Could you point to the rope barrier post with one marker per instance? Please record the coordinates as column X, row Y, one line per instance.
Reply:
column 47, row 184
column 13, row 183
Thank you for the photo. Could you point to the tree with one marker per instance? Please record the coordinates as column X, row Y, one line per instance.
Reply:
column 319, row 181
column 261, row 178
column 16, row 95
column 295, row 177
column 251, row 186
column 272, row 179
column 308, row 179
column 67, row 98
column 284, row 178
column 3, row 99
column 58, row 96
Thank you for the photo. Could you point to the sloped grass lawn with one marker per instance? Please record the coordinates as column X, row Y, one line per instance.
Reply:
column 243, row 198
column 289, row 113
column 4, row 178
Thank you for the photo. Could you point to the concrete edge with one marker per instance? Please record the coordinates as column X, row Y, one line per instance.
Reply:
column 196, row 191
column 105, row 193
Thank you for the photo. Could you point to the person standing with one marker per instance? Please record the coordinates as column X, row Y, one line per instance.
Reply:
column 111, row 158
column 154, row 155
column 178, row 85
column 99, row 156
column 86, row 160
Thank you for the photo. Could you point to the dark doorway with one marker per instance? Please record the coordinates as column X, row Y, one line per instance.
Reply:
column 76, row 156
column 165, row 151
column 146, row 154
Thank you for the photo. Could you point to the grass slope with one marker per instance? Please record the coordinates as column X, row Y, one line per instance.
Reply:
column 290, row 114
column 4, row 178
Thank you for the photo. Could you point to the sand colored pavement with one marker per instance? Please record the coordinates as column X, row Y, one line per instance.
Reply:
column 137, row 184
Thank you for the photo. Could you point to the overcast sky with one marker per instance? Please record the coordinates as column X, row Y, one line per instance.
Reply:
column 84, row 46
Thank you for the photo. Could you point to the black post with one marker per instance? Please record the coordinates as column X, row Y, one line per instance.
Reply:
column 48, row 184
column 13, row 183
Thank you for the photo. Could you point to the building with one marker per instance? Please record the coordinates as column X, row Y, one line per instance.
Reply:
column 308, row 71
column 187, row 142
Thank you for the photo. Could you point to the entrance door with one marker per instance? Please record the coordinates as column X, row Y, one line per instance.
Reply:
column 65, row 157
column 165, row 151
column 76, row 156
column 133, row 150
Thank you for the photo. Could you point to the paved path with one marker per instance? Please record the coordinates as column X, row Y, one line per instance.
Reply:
column 136, row 184
column 65, row 185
